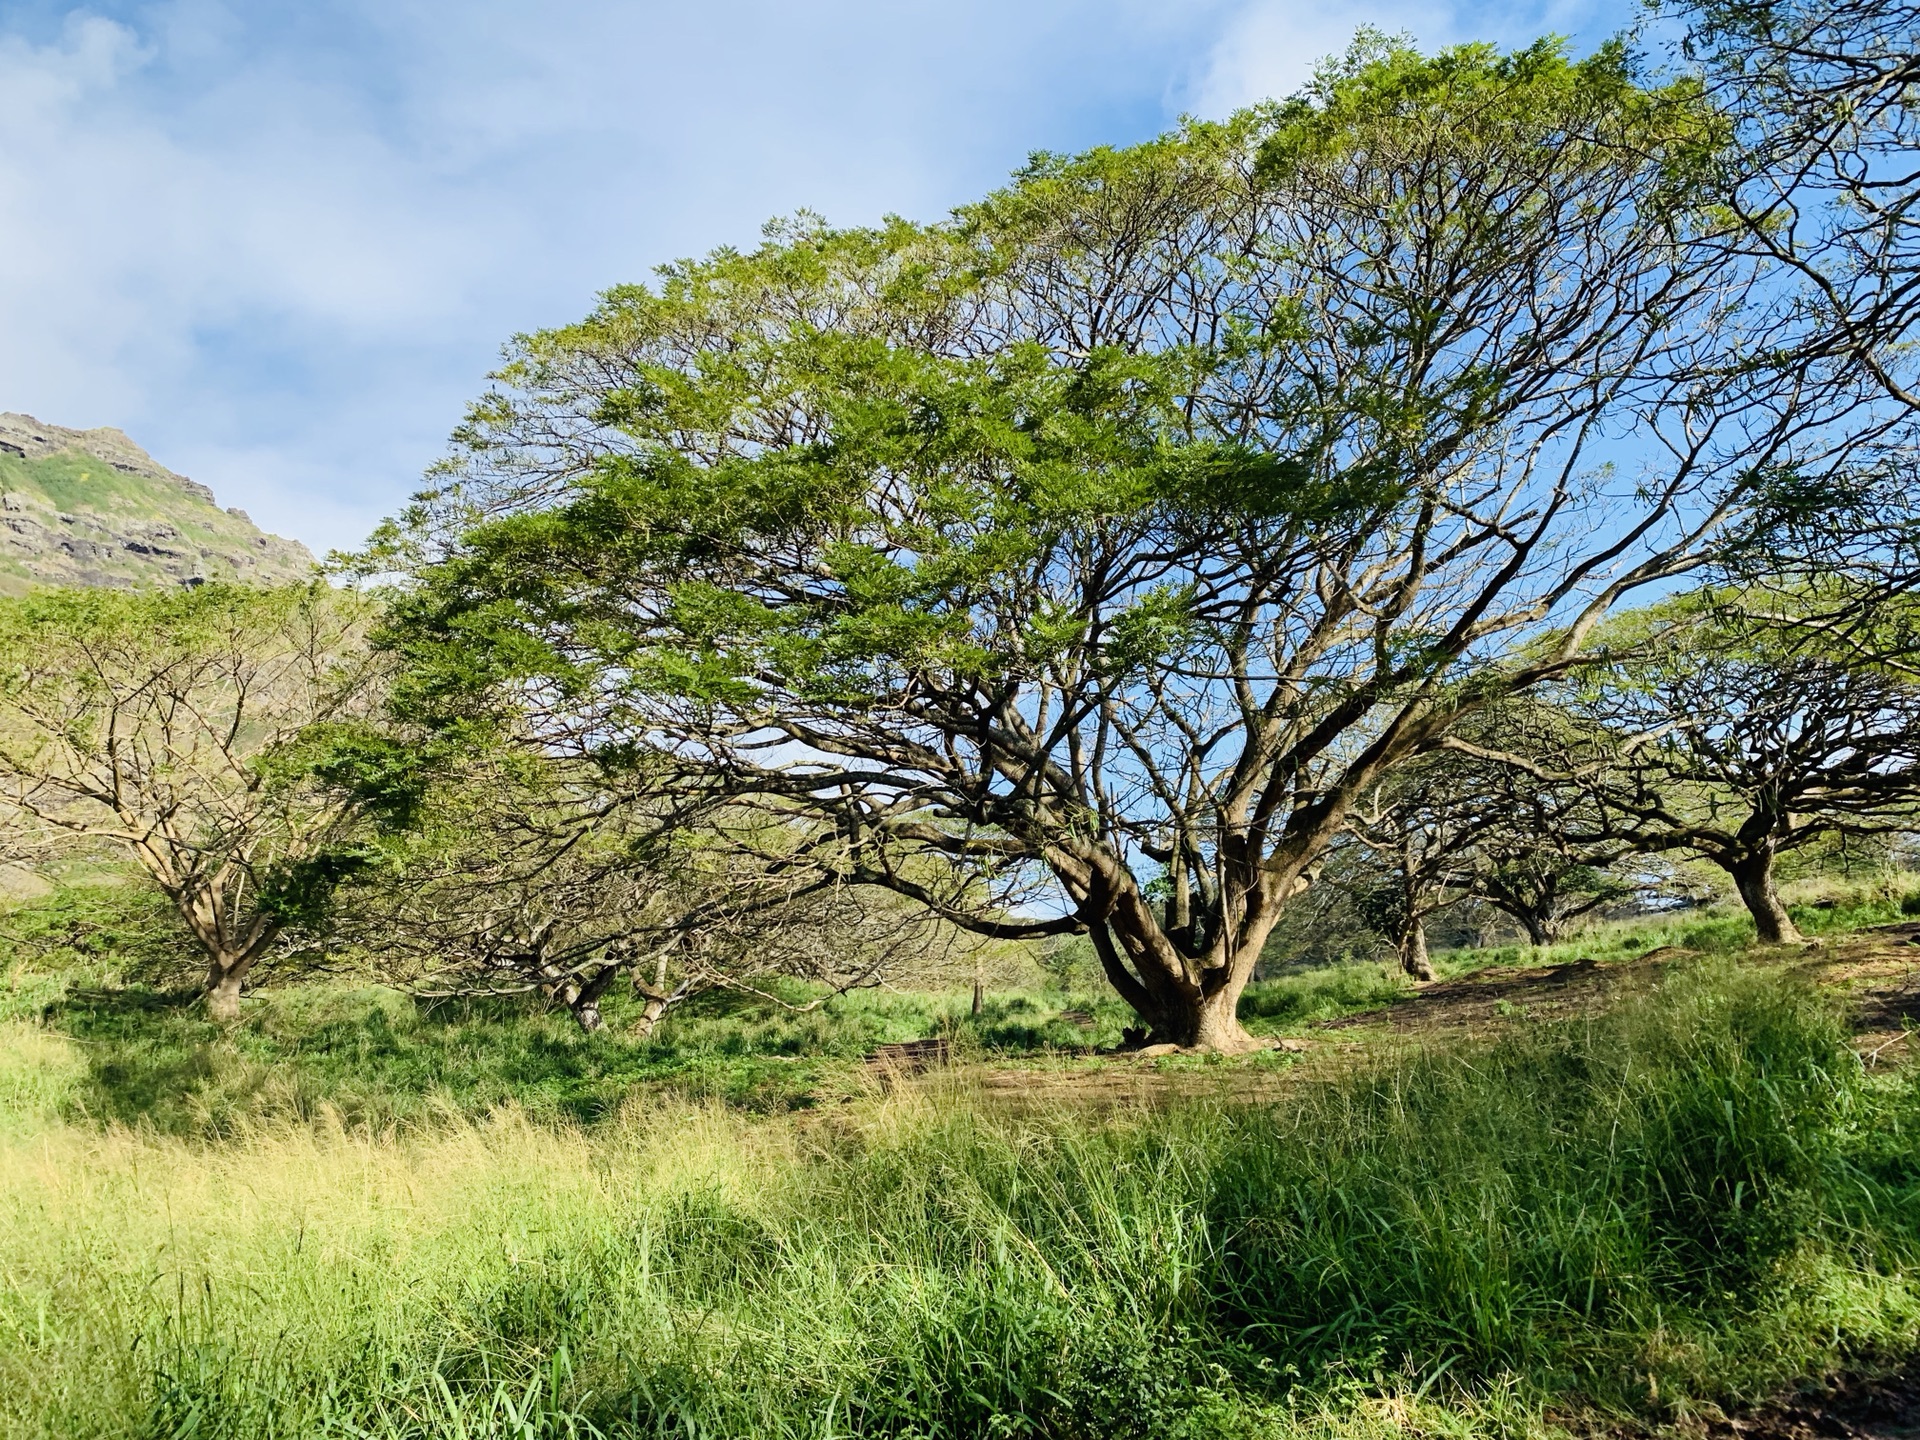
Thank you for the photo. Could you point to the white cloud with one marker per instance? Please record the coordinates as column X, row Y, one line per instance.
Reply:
column 149, row 269
column 1271, row 48
column 279, row 245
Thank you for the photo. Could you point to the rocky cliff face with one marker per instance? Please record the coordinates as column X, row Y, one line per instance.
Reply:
column 90, row 507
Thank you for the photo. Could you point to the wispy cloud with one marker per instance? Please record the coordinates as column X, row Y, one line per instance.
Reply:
column 280, row 243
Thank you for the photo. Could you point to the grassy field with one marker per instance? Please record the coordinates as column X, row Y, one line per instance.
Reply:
column 355, row 1216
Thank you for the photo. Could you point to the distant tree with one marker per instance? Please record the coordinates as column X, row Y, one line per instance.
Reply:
column 523, row 875
column 1722, row 736
column 1548, row 884
column 1419, row 827
column 1543, row 852
column 200, row 731
column 1455, row 824
column 1142, row 519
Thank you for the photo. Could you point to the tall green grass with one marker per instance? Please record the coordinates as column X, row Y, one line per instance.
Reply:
column 1701, row 1194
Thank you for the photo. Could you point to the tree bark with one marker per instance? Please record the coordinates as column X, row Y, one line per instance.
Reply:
column 1542, row 930
column 1413, row 952
column 585, row 1001
column 1214, row 1023
column 1753, row 877
column 655, row 997
column 224, row 978
column 1177, row 1010
column 650, row 1013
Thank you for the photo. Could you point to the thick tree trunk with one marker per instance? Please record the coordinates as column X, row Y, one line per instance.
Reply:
column 1753, row 877
column 1188, row 991
column 224, row 978
column 585, row 1000
column 1413, row 952
column 1542, row 930
column 1214, row 1024
column 1179, row 1013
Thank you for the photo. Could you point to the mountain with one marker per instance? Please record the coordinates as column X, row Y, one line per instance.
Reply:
column 90, row 507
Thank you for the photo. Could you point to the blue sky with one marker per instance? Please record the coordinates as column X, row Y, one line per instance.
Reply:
column 280, row 244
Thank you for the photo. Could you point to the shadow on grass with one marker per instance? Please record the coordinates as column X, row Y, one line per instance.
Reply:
column 375, row 1057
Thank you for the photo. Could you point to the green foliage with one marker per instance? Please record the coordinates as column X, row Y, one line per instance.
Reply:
column 166, row 621
column 98, row 926
column 221, row 737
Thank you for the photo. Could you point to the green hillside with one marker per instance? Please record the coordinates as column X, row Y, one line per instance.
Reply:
column 89, row 507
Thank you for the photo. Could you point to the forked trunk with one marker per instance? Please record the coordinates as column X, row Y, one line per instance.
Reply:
column 1753, row 877
column 1413, row 952
column 655, row 999
column 1189, row 1003
column 584, row 1002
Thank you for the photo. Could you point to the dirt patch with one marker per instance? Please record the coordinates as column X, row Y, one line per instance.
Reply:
column 1877, row 970
column 1124, row 1081
column 890, row 1064
column 1503, row 993
column 1884, row 1407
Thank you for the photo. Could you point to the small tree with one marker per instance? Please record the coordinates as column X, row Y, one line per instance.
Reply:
column 521, row 874
column 193, row 729
column 1721, row 736
column 1546, row 883
column 1458, row 822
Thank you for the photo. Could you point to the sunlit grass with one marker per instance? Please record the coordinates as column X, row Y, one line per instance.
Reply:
column 1700, row 1195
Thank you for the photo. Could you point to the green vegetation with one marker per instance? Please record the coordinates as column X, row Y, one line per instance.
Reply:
column 114, row 494
column 76, row 481
column 665, row 967
column 372, row 1219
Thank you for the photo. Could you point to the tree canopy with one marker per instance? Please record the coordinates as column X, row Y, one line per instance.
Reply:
column 1139, row 518
column 217, row 734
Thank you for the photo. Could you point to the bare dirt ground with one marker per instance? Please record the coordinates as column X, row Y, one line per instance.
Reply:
column 1846, row 1407
column 1879, row 970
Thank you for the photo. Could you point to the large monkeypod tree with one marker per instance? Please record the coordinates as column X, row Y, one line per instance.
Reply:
column 1119, row 533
